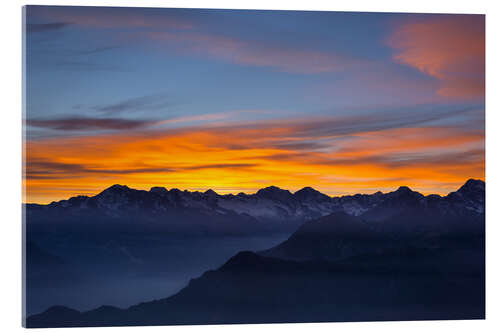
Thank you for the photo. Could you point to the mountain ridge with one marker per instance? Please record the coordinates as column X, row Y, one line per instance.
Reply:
column 268, row 209
column 405, row 256
column 471, row 182
column 408, row 282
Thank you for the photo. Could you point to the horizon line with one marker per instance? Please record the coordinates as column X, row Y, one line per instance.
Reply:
column 249, row 194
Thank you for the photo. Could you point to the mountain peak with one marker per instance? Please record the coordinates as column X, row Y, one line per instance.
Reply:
column 158, row 190
column 472, row 185
column 210, row 192
column 117, row 188
column 243, row 260
column 310, row 193
column 404, row 192
column 307, row 189
column 274, row 193
column 404, row 189
column 473, row 191
column 271, row 189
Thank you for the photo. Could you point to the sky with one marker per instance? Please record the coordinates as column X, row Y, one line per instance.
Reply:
column 237, row 100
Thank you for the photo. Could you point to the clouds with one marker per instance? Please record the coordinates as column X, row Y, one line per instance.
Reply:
column 121, row 122
column 87, row 123
column 43, row 27
column 43, row 168
column 254, row 53
column 109, row 17
column 298, row 133
column 49, row 168
column 159, row 101
column 416, row 150
column 311, row 130
column 80, row 66
column 177, row 32
column 450, row 48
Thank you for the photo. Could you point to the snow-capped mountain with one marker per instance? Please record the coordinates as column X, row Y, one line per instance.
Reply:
column 270, row 206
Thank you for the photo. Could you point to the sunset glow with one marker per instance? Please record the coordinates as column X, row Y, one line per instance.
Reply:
column 206, row 101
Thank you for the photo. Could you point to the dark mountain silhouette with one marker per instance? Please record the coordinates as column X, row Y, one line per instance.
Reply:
column 270, row 209
column 250, row 288
column 331, row 237
column 400, row 256
column 46, row 269
column 408, row 214
column 310, row 195
column 37, row 256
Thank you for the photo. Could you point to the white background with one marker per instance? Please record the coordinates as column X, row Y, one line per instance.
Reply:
column 10, row 159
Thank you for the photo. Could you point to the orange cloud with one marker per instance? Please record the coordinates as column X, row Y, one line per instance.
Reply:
column 289, row 154
column 449, row 48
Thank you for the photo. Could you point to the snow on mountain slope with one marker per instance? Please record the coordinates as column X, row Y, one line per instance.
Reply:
column 270, row 204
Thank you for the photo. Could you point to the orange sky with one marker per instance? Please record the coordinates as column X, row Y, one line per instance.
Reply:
column 235, row 158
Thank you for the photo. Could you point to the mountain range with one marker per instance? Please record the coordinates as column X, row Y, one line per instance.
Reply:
column 393, row 256
column 269, row 209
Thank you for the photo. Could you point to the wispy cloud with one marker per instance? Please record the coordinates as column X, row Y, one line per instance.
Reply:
column 69, row 125
column 189, row 36
column 51, row 169
column 109, row 17
column 159, row 101
column 219, row 166
column 308, row 133
column 42, row 27
column 97, row 50
column 313, row 129
column 207, row 118
column 450, row 48
column 71, row 65
column 88, row 123
column 250, row 53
